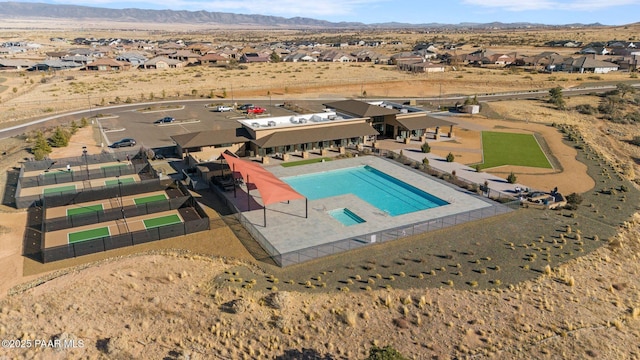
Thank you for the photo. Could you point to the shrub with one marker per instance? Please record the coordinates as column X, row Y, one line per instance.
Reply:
column 574, row 199
column 512, row 178
column 41, row 147
column 477, row 167
column 450, row 157
column 84, row 122
column 385, row 353
column 586, row 109
column 425, row 161
column 425, row 148
column 60, row 137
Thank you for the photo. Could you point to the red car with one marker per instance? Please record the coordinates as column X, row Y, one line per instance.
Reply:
column 257, row 110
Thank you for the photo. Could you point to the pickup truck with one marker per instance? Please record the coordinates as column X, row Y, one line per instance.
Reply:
column 222, row 108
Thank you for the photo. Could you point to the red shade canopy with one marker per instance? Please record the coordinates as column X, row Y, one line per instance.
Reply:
column 271, row 188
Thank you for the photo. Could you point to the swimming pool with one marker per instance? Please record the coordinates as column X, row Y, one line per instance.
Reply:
column 379, row 189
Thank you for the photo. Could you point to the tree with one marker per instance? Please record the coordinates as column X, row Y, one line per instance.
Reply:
column 74, row 127
column 60, row 137
column 425, row 148
column 512, row 178
column 624, row 89
column 385, row 353
column 41, row 147
column 274, row 57
column 84, row 122
column 556, row 97
column 450, row 157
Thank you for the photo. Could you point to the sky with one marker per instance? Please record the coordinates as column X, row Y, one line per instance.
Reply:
column 551, row 12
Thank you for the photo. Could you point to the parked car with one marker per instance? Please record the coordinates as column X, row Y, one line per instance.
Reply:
column 257, row 110
column 124, row 143
column 165, row 120
column 245, row 107
column 222, row 108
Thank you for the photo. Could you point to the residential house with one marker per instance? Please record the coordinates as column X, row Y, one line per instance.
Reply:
column 253, row 58
column 595, row 51
column 299, row 57
column 15, row 64
column 592, row 65
column 185, row 56
column 422, row 67
column 406, row 58
column 132, row 57
column 212, row 59
column 161, row 62
column 107, row 64
column 337, row 56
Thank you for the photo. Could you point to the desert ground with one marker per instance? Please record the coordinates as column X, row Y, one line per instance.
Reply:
column 200, row 298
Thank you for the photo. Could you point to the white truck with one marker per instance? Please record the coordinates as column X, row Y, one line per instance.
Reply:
column 222, row 108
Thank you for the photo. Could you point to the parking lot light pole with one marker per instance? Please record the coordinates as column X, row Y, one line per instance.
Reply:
column 86, row 160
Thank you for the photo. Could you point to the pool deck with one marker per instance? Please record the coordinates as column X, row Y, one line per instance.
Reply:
column 287, row 229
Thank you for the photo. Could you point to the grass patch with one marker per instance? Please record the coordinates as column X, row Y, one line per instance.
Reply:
column 148, row 199
column 162, row 221
column 512, row 149
column 122, row 181
column 304, row 162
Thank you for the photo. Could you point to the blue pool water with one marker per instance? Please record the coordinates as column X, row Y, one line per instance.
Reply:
column 373, row 186
column 346, row 217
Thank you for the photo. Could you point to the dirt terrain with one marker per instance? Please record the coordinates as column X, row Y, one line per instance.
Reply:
column 216, row 302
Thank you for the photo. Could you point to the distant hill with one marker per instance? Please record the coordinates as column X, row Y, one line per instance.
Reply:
column 15, row 10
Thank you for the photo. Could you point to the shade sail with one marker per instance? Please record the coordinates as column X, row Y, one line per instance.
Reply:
column 271, row 189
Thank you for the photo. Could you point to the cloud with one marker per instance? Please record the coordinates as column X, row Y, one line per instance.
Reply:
column 573, row 5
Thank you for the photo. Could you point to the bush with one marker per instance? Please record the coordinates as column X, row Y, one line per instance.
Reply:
column 586, row 109
column 512, row 178
column 425, row 161
column 41, row 147
column 574, row 199
column 385, row 353
column 450, row 157
column 425, row 148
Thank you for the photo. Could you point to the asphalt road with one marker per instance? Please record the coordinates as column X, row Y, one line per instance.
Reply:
column 122, row 121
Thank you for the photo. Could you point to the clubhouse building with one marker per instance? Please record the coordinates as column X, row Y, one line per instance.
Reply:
column 343, row 124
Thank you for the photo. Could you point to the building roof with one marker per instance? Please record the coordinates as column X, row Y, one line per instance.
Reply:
column 303, row 136
column 211, row 137
column 422, row 122
column 360, row 108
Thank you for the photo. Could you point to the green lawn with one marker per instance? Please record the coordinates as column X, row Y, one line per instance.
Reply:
column 89, row 234
column 148, row 199
column 512, row 149
column 162, row 221
column 123, row 181
column 53, row 173
column 59, row 189
column 84, row 210
column 304, row 162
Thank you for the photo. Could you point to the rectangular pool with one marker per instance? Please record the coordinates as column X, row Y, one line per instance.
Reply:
column 381, row 190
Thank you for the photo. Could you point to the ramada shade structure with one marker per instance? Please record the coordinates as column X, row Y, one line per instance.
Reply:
column 271, row 189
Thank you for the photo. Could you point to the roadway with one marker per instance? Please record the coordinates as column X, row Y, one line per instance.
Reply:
column 193, row 116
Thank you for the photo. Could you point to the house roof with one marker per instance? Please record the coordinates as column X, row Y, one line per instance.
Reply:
column 423, row 122
column 587, row 62
column 360, row 108
column 303, row 136
column 107, row 62
column 211, row 137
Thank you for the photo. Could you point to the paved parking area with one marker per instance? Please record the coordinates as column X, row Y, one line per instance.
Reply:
column 190, row 117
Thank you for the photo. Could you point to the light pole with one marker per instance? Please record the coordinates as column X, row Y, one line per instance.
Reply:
column 90, row 111
column 120, row 195
column 86, row 160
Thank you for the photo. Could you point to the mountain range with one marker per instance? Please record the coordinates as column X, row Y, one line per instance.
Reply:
column 19, row 10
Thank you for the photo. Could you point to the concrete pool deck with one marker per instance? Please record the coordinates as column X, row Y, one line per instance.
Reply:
column 288, row 231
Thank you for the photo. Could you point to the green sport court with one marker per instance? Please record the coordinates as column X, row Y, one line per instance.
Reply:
column 162, row 221
column 512, row 149
column 50, row 174
column 148, row 199
column 59, row 189
column 90, row 234
column 122, row 181
column 115, row 166
column 85, row 210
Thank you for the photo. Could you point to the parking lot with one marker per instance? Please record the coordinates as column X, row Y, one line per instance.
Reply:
column 138, row 121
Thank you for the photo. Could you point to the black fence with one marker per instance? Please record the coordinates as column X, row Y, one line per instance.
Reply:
column 123, row 240
column 92, row 194
column 95, row 217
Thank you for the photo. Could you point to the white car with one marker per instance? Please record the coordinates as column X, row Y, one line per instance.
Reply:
column 222, row 108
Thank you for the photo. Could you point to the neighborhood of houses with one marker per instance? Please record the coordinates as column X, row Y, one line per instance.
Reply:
column 119, row 54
